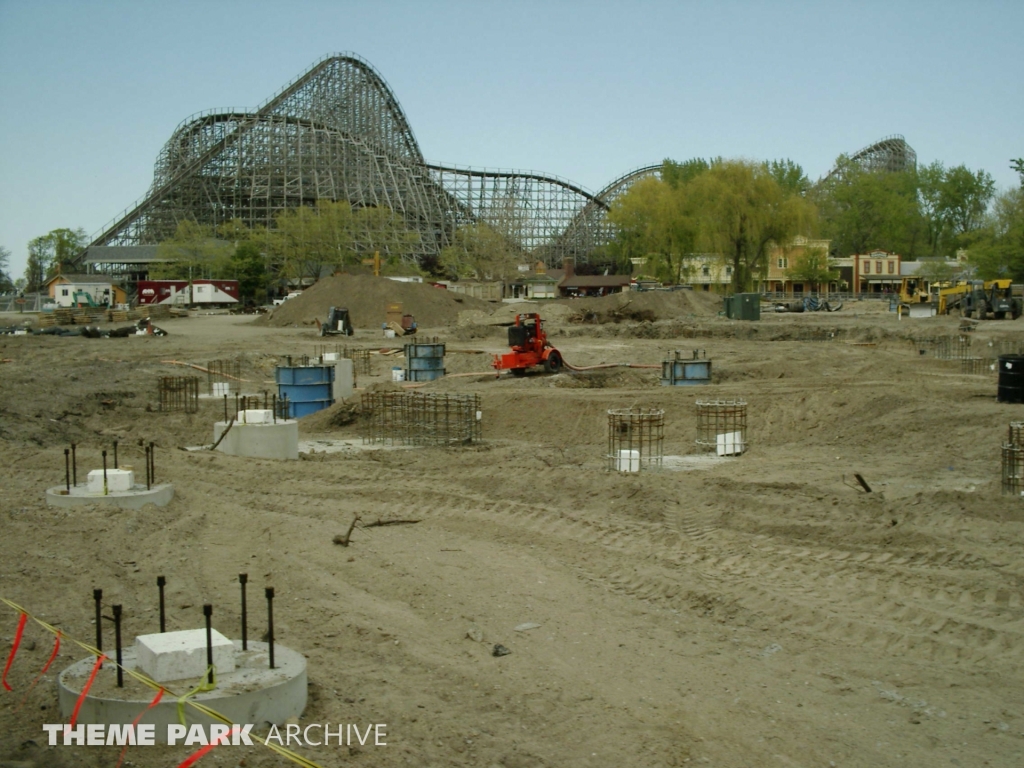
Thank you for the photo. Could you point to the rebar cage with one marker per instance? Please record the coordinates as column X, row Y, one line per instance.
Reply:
column 223, row 372
column 722, row 427
column 946, row 347
column 1016, row 434
column 1013, row 469
column 417, row 418
column 179, row 393
column 636, row 438
column 977, row 366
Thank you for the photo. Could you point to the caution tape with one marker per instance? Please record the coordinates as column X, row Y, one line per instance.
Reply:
column 213, row 714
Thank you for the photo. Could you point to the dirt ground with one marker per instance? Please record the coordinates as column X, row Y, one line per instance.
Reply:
column 757, row 611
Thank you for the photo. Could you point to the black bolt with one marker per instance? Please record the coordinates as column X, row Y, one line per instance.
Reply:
column 97, row 595
column 74, row 466
column 161, row 582
column 67, row 468
column 208, row 613
column 269, row 591
column 115, row 454
column 243, row 579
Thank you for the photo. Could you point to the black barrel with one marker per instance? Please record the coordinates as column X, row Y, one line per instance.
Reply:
column 1011, row 379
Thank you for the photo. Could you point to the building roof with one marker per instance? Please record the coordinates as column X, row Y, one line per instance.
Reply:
column 81, row 279
column 123, row 254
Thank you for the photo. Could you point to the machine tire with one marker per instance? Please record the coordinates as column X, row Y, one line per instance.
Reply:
column 518, row 371
column 982, row 310
column 1000, row 315
column 554, row 362
column 323, row 329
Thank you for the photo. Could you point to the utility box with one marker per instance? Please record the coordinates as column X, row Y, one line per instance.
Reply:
column 743, row 306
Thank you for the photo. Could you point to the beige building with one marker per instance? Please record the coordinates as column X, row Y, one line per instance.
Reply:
column 783, row 262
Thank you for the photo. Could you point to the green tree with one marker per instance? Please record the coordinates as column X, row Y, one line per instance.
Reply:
column 52, row 253
column 789, row 175
column 964, row 197
column 739, row 210
column 249, row 268
column 194, row 252
column 309, row 241
column 1018, row 166
column 936, row 271
column 678, row 174
column 935, row 226
column 478, row 251
column 863, row 210
column 6, row 284
column 997, row 247
column 813, row 268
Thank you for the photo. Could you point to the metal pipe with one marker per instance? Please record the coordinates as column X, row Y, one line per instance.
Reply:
column 161, row 582
column 243, row 579
column 97, row 595
column 67, row 469
column 152, row 461
column 275, row 407
column 115, row 454
column 74, row 466
column 117, row 644
column 225, row 409
column 236, row 405
column 269, row 591
column 208, row 613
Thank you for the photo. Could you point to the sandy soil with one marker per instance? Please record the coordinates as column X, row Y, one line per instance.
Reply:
column 759, row 611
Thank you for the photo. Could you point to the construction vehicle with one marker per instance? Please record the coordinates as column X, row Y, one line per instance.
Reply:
column 977, row 299
column 530, row 347
column 338, row 323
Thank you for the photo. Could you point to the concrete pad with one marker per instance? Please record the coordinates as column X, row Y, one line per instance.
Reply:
column 136, row 498
column 260, row 441
column 182, row 655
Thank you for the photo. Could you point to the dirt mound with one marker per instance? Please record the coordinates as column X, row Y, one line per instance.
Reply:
column 366, row 298
column 644, row 306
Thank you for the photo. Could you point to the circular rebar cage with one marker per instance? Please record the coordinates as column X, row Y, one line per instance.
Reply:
column 722, row 427
column 179, row 393
column 223, row 377
column 1016, row 434
column 1013, row 469
column 635, row 438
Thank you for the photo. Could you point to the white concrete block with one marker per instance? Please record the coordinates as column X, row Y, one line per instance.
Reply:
column 255, row 416
column 221, row 388
column 628, row 461
column 330, row 357
column 182, row 655
column 729, row 444
column 117, row 480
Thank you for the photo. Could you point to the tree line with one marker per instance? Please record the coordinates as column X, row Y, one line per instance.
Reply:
column 738, row 211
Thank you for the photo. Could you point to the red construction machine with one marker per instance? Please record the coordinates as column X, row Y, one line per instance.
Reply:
column 529, row 346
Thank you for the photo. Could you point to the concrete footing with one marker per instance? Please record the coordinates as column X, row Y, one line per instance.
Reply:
column 250, row 694
column 260, row 441
column 136, row 497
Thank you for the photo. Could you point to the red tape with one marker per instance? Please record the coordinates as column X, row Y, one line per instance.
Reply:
column 194, row 758
column 135, row 722
column 85, row 689
column 14, row 648
column 53, row 655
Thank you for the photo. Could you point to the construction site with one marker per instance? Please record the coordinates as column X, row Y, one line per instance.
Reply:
column 695, row 540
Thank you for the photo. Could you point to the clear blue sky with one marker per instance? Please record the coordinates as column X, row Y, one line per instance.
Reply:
column 90, row 90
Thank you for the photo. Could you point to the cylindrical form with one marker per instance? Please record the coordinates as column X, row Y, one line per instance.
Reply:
column 97, row 595
column 1013, row 469
column 269, row 592
column 722, row 427
column 424, row 362
column 117, row 644
column 679, row 371
column 307, row 388
column 1016, row 435
column 635, row 438
column 1011, row 379
column 208, row 613
column 243, row 579
column 161, row 582
column 67, row 468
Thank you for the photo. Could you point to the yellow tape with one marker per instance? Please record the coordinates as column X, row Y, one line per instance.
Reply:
column 182, row 700
column 206, row 685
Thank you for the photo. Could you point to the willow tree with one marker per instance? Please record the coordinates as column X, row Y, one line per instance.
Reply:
column 740, row 209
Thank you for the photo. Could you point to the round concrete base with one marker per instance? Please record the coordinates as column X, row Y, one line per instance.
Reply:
column 251, row 694
column 136, row 498
column 259, row 441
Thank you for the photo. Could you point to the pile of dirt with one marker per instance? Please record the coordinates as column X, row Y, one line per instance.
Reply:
column 366, row 298
column 646, row 306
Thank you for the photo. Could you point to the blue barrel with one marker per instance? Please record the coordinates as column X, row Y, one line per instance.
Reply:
column 685, row 373
column 424, row 362
column 308, row 388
